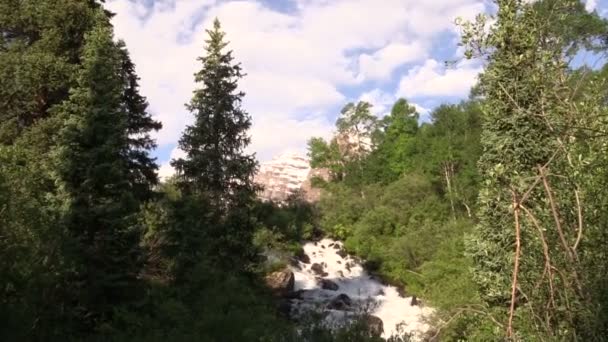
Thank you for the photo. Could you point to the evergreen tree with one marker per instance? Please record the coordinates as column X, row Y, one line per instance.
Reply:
column 217, row 175
column 40, row 46
column 142, row 167
column 95, row 175
column 216, row 165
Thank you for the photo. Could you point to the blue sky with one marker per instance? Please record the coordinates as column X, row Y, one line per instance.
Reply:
column 304, row 59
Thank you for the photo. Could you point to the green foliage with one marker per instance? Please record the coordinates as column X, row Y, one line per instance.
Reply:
column 536, row 151
column 405, row 207
column 93, row 248
column 94, row 174
column 39, row 56
column 215, row 165
column 142, row 167
column 356, row 132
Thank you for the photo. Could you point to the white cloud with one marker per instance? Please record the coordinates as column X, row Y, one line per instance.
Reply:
column 425, row 113
column 297, row 63
column 381, row 101
column 383, row 62
column 590, row 5
column 166, row 170
column 271, row 137
column 434, row 79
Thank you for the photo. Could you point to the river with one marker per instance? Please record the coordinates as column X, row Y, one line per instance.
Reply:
column 336, row 274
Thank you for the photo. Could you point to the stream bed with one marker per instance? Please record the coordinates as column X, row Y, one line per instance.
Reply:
column 327, row 277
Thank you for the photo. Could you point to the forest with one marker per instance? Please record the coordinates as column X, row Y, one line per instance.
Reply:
column 494, row 212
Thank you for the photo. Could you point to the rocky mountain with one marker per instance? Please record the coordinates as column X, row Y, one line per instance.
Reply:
column 287, row 174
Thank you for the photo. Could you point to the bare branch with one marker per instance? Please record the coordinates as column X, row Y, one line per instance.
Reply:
column 580, row 220
column 555, row 212
column 516, row 209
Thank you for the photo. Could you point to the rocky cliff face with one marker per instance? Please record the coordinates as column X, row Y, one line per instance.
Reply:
column 285, row 175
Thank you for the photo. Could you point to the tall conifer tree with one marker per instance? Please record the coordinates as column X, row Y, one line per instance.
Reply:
column 216, row 171
column 95, row 175
column 142, row 167
column 216, row 165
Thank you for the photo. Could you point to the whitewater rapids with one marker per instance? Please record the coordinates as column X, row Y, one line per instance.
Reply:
column 396, row 312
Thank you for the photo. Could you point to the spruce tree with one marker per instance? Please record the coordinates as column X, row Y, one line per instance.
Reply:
column 216, row 165
column 216, row 176
column 40, row 46
column 142, row 167
column 94, row 171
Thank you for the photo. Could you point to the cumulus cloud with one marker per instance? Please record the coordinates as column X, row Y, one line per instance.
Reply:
column 381, row 64
column 271, row 137
column 590, row 5
column 166, row 170
column 381, row 101
column 301, row 65
column 435, row 79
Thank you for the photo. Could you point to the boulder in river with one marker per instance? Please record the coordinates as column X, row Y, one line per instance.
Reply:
column 414, row 301
column 342, row 253
column 317, row 269
column 294, row 262
column 281, row 283
column 327, row 284
column 302, row 256
column 374, row 324
column 295, row 294
column 340, row 302
column 349, row 265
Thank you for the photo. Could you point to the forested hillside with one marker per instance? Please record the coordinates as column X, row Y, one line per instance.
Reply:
column 492, row 211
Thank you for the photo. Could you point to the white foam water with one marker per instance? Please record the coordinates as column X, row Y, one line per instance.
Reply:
column 396, row 312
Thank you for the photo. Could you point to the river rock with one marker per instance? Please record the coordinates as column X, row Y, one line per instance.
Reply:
column 342, row 253
column 281, row 283
column 327, row 284
column 415, row 301
column 340, row 302
column 317, row 269
column 341, row 274
column 401, row 292
column 302, row 256
column 323, row 246
column 295, row 294
column 375, row 325
column 294, row 263
column 380, row 292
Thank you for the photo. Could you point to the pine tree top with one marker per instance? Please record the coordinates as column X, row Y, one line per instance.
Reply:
column 216, row 163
